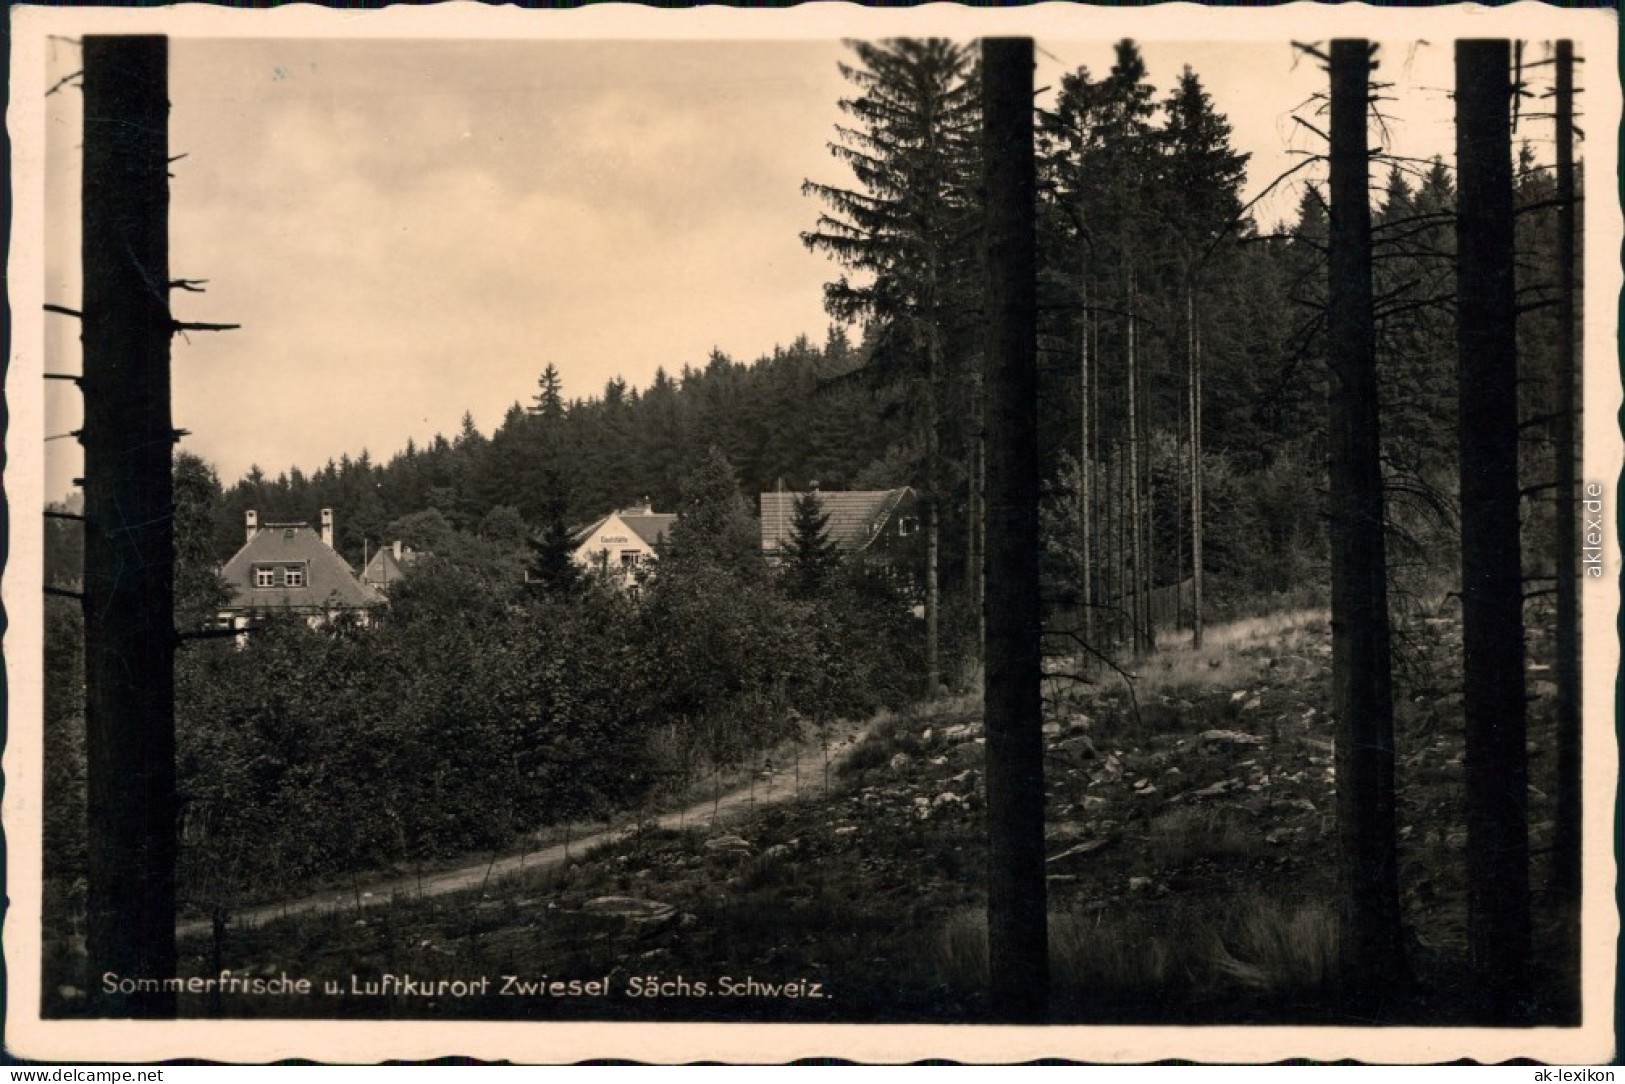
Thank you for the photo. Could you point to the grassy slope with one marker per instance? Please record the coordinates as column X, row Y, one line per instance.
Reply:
column 1191, row 878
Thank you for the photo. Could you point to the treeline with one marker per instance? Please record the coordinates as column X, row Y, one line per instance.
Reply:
column 789, row 416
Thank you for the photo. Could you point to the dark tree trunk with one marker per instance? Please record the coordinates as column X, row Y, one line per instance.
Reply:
column 129, row 552
column 1362, row 697
column 1136, row 594
column 1195, row 409
column 1086, row 464
column 1491, row 567
column 1566, row 875
column 1017, row 935
column 933, row 503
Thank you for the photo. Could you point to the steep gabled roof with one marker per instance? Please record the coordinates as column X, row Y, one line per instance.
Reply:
column 855, row 517
column 330, row 582
column 385, row 568
column 651, row 527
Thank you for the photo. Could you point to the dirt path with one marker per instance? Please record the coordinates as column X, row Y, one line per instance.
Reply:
column 781, row 784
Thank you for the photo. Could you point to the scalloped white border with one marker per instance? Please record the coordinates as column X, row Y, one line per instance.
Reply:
column 1596, row 33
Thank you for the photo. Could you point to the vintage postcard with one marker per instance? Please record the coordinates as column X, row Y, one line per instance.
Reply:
column 517, row 542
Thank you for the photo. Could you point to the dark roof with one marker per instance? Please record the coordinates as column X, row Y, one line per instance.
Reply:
column 855, row 517
column 652, row 527
column 330, row 582
column 385, row 568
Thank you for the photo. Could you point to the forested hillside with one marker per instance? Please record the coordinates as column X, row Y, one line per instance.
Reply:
column 1182, row 341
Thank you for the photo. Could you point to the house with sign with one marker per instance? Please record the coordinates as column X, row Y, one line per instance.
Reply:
column 859, row 520
column 624, row 542
column 291, row 568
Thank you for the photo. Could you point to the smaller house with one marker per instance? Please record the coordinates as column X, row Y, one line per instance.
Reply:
column 623, row 542
column 290, row 568
column 858, row 519
column 388, row 565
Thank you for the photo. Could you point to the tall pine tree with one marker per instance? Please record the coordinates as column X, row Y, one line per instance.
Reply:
column 909, row 230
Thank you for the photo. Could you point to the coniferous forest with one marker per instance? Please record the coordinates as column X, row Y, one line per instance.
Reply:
column 1261, row 447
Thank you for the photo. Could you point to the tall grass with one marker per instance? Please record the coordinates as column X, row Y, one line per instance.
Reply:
column 1226, row 659
column 1244, row 945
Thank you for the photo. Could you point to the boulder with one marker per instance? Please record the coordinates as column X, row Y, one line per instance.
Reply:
column 728, row 844
column 630, row 909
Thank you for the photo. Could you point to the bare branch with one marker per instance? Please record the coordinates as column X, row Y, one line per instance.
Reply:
column 177, row 325
column 64, row 81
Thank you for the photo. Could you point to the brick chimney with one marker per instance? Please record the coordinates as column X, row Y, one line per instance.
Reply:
column 327, row 527
column 397, row 551
column 253, row 518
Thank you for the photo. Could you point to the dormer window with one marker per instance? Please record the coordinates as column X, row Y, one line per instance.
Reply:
column 264, row 576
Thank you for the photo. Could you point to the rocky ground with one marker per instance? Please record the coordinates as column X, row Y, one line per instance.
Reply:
column 1191, row 845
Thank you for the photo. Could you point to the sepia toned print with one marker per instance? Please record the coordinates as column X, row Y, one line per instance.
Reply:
column 748, row 535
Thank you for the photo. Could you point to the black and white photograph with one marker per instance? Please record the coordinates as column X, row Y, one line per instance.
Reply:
column 1093, row 529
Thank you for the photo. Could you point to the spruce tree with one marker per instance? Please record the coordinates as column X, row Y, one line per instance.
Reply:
column 811, row 558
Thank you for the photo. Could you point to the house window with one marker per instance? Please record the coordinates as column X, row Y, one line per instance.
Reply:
column 264, row 577
column 293, row 577
column 629, row 558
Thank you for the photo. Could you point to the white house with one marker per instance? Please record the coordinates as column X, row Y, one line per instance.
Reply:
column 623, row 542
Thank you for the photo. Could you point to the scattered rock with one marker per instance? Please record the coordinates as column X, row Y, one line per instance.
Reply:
column 1218, row 788
column 1089, row 846
column 846, row 830
column 1230, row 737
column 1139, row 884
column 630, row 909
column 778, row 850
column 947, row 797
column 1079, row 748
column 899, row 761
column 730, row 844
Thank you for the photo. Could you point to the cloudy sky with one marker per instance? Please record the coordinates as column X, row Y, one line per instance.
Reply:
column 408, row 230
